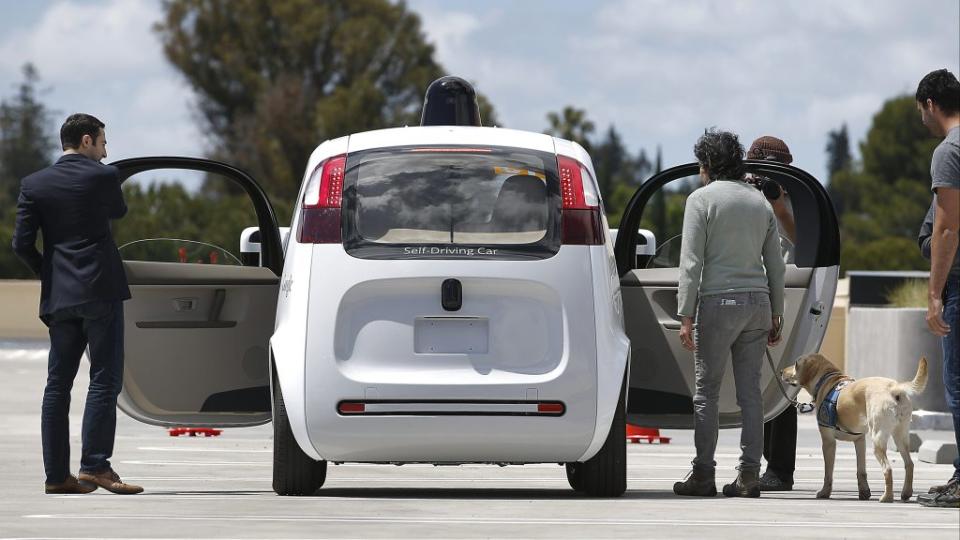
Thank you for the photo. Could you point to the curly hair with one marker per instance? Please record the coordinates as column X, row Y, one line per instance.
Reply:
column 720, row 154
column 942, row 88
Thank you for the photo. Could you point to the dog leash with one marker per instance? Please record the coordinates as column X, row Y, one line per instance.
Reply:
column 802, row 408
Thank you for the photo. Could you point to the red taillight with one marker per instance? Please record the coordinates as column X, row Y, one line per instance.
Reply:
column 581, row 222
column 550, row 407
column 320, row 219
column 350, row 407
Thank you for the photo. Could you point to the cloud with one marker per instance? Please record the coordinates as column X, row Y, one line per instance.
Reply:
column 448, row 31
column 662, row 70
column 104, row 58
column 83, row 41
column 659, row 70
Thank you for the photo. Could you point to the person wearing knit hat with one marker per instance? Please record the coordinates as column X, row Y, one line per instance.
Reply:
column 779, row 434
column 769, row 148
column 772, row 148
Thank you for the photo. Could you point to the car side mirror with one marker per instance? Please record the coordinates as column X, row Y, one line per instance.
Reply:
column 646, row 243
column 250, row 244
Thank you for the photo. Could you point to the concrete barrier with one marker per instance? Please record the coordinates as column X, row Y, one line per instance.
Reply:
column 19, row 309
column 939, row 452
column 888, row 342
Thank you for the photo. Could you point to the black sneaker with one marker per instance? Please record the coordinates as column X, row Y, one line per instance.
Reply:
column 948, row 498
column 770, row 481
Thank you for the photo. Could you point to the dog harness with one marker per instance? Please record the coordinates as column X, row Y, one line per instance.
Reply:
column 827, row 413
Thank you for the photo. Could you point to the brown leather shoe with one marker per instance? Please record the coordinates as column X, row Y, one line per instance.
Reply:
column 69, row 486
column 110, row 481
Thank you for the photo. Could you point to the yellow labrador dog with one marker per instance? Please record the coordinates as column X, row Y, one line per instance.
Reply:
column 849, row 410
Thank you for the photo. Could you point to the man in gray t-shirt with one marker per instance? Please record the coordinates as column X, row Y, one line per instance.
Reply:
column 938, row 99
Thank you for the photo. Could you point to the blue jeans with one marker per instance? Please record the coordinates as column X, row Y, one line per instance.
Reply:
column 951, row 356
column 98, row 325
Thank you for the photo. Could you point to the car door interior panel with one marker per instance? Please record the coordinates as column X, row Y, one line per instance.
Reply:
column 197, row 335
column 662, row 372
column 213, row 351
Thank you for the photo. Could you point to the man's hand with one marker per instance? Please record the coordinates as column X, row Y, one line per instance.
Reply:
column 776, row 329
column 935, row 317
column 686, row 334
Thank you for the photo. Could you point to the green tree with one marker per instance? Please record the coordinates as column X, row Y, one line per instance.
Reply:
column 838, row 150
column 275, row 78
column 882, row 200
column 167, row 210
column 898, row 146
column 571, row 124
column 26, row 145
column 618, row 171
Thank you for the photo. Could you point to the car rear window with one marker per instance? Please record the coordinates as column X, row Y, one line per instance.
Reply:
column 451, row 202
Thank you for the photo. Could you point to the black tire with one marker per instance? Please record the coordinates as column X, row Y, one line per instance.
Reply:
column 575, row 476
column 294, row 472
column 605, row 474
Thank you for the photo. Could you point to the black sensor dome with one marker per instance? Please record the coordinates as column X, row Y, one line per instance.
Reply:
column 450, row 101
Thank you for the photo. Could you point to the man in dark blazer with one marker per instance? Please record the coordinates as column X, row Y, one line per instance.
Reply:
column 83, row 287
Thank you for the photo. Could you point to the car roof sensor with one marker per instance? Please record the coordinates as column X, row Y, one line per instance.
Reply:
column 450, row 101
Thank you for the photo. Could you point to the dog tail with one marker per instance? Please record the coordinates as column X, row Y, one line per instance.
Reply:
column 919, row 381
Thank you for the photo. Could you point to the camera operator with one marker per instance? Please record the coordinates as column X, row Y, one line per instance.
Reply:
column 779, row 434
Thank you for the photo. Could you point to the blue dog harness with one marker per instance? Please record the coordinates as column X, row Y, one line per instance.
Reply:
column 827, row 413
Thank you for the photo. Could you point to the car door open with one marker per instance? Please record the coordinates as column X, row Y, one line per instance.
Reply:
column 197, row 330
column 662, row 373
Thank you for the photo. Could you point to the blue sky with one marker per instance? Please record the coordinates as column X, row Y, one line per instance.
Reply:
column 659, row 70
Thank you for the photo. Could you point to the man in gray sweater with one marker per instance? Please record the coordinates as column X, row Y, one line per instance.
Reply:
column 731, row 279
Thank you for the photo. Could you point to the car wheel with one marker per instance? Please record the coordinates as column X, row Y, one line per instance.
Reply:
column 605, row 474
column 294, row 472
column 575, row 476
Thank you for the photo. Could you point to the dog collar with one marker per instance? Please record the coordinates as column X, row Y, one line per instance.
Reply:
column 823, row 379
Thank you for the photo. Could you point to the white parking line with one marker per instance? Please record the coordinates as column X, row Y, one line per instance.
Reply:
column 193, row 463
column 850, row 505
column 224, row 450
column 432, row 479
column 266, row 463
column 471, row 520
column 735, row 456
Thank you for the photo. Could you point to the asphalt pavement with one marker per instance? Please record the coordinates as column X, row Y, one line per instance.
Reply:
column 219, row 487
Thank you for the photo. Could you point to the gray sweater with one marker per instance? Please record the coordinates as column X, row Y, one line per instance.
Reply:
column 730, row 244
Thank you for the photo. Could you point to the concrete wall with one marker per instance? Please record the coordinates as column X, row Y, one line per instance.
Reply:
column 834, row 341
column 19, row 307
column 888, row 342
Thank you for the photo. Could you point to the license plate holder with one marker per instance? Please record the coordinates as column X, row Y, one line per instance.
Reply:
column 451, row 335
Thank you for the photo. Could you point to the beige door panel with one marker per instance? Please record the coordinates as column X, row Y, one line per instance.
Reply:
column 196, row 343
column 661, row 364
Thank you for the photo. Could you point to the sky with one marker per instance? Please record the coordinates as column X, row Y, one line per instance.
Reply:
column 660, row 71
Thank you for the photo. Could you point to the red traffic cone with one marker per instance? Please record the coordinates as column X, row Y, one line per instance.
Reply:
column 636, row 434
column 194, row 431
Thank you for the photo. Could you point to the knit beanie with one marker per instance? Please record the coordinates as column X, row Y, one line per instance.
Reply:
column 772, row 148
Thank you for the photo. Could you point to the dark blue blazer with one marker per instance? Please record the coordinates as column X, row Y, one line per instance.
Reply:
column 72, row 202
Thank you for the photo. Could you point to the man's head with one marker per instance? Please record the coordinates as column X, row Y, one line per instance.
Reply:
column 771, row 149
column 720, row 155
column 938, row 99
column 83, row 134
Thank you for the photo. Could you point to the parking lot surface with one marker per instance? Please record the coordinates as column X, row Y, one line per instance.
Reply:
column 220, row 488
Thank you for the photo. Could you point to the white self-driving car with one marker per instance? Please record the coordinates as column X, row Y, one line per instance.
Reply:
column 446, row 294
